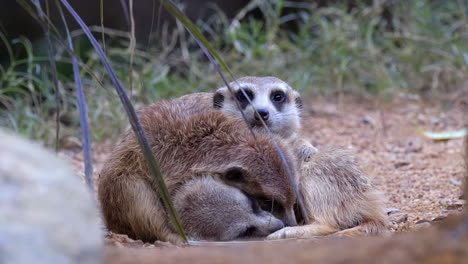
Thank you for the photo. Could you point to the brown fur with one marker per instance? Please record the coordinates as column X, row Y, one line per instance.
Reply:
column 444, row 243
column 340, row 199
column 188, row 142
column 212, row 210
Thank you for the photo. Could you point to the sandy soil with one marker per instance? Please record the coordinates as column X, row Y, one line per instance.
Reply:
column 421, row 178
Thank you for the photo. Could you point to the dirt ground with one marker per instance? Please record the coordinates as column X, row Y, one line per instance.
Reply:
column 421, row 178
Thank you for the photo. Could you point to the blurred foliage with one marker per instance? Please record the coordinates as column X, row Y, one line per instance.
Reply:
column 416, row 46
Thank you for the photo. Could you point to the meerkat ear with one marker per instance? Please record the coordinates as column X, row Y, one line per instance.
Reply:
column 218, row 98
column 298, row 100
column 234, row 174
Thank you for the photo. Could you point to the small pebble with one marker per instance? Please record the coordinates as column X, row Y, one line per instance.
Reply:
column 456, row 205
column 455, row 182
column 398, row 218
column 367, row 120
column 391, row 210
column 399, row 164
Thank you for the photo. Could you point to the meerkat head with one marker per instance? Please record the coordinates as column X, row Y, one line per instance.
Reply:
column 277, row 104
column 212, row 210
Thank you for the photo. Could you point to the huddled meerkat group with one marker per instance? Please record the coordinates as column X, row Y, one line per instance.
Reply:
column 227, row 183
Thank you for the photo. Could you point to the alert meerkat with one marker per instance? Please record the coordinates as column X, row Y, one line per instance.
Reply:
column 211, row 210
column 189, row 142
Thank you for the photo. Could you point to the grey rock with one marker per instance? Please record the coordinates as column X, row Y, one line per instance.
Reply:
column 455, row 182
column 46, row 213
column 398, row 217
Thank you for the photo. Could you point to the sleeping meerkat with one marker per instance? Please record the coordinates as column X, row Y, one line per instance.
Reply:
column 273, row 101
column 211, row 210
column 189, row 142
column 339, row 197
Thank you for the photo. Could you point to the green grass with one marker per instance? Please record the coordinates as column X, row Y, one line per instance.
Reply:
column 423, row 48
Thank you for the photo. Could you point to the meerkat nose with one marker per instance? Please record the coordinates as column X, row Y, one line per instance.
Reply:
column 264, row 114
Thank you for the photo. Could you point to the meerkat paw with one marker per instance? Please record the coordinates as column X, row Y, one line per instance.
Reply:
column 306, row 151
column 288, row 232
column 306, row 231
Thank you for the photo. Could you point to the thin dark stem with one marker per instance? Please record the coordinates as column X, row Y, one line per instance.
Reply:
column 203, row 43
column 82, row 108
column 50, row 51
column 135, row 124
column 125, row 11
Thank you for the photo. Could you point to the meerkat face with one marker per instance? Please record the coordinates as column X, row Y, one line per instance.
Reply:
column 212, row 210
column 270, row 197
column 277, row 104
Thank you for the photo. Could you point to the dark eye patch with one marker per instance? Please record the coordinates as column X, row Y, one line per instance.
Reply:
column 241, row 97
column 278, row 97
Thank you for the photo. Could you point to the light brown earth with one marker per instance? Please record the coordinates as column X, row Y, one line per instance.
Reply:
column 421, row 178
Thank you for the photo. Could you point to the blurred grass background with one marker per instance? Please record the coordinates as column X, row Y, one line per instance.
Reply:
column 379, row 48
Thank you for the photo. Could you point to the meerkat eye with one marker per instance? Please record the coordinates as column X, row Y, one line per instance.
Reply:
column 278, row 96
column 234, row 174
column 241, row 97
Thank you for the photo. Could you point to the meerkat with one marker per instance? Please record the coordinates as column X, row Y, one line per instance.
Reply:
column 211, row 210
column 189, row 142
column 339, row 197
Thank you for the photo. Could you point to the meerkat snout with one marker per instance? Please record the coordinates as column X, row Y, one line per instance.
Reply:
column 262, row 114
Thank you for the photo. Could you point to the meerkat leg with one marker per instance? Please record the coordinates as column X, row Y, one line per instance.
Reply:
column 306, row 231
column 303, row 149
column 306, row 150
column 364, row 229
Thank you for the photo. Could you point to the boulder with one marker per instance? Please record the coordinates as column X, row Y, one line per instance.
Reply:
column 47, row 215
